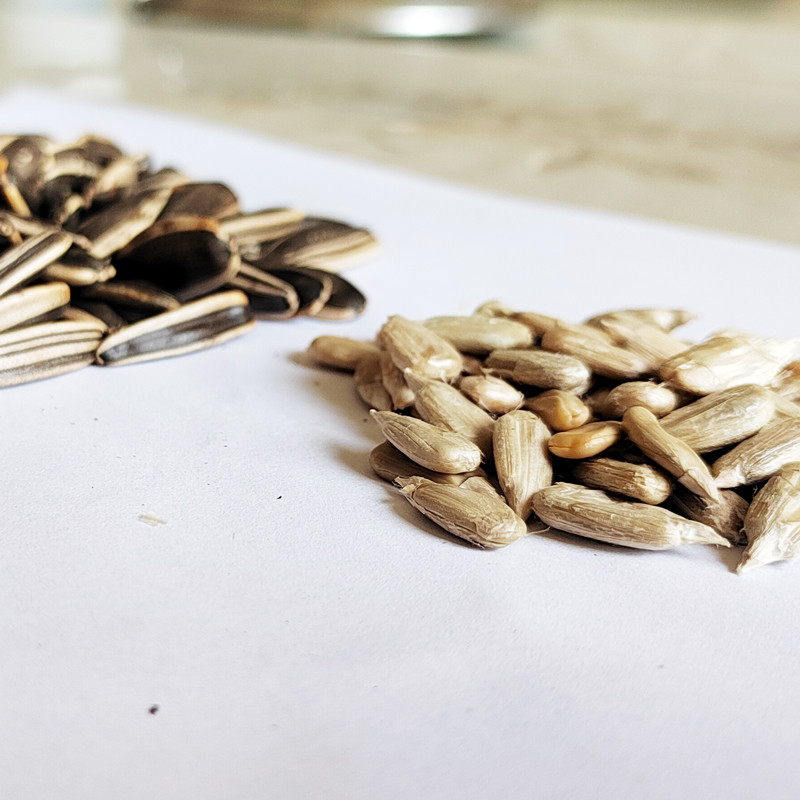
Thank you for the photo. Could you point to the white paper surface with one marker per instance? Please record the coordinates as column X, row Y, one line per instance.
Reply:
column 301, row 630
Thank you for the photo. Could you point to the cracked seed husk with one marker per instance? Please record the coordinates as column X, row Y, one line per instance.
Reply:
column 476, row 517
column 594, row 514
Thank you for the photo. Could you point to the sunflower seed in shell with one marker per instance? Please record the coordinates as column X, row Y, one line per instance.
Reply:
column 541, row 369
column 368, row 380
column 20, row 263
column 318, row 242
column 202, row 323
column 772, row 523
column 642, row 482
column 476, row 517
column 727, row 359
column 491, row 393
column 78, row 267
column 760, row 456
column 132, row 300
column 521, row 458
column 655, row 397
column 266, row 225
column 185, row 256
column 722, row 418
column 669, row 452
column 201, row 199
column 586, row 441
column 118, row 224
column 594, row 514
column 725, row 516
column 10, row 193
column 389, row 463
column 47, row 349
column 340, row 352
column 8, row 232
column 480, row 334
column 313, row 287
column 118, row 173
column 269, row 297
column 560, row 410
column 413, row 346
column 443, row 405
column 344, row 302
column 33, row 304
column 430, row 446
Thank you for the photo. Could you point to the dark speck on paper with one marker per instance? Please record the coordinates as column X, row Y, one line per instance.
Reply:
column 153, row 709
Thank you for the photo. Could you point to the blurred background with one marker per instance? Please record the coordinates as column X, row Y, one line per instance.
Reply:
column 681, row 111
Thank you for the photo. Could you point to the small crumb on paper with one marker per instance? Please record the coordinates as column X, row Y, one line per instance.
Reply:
column 151, row 520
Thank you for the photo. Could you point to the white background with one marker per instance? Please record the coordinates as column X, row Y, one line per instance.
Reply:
column 303, row 632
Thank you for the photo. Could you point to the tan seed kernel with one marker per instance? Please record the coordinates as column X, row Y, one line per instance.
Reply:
column 474, row 516
column 368, row 380
column 491, row 393
column 540, row 368
column 413, row 346
column 480, row 334
column 665, row 318
column 670, row 453
column 721, row 418
column 430, row 446
column 656, row 397
column 340, row 352
column 521, row 458
column 586, row 441
column 642, row 482
column 389, row 463
column 593, row 514
column 394, row 381
column 725, row 516
column 772, row 523
column 560, row 410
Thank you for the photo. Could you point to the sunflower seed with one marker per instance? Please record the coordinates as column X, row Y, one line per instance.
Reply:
column 521, row 458
column 446, row 407
column 665, row 318
column 491, row 393
column 669, row 452
column 313, row 287
column 340, row 352
column 476, row 517
column 24, row 261
column 194, row 199
column 593, row 514
column 721, row 418
column 430, row 446
column 47, row 349
column 772, row 523
column 194, row 326
column 586, row 441
column 480, row 334
column 269, row 297
column 726, row 360
column 650, row 342
column 33, row 304
column 725, row 516
column 344, row 302
column 395, row 383
column 760, row 456
column 368, row 380
column 642, row 482
column 560, row 410
column 261, row 226
column 656, row 397
column 389, row 463
column 413, row 346
column 540, row 368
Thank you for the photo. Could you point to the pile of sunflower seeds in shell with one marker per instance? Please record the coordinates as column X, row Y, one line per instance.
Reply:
column 502, row 423
column 106, row 260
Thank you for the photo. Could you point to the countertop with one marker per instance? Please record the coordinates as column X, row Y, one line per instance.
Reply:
column 651, row 109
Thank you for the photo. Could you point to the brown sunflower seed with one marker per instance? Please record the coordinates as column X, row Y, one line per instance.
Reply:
column 476, row 517
column 202, row 323
column 313, row 287
column 593, row 514
column 430, row 446
column 201, row 199
column 772, row 523
column 269, row 297
column 669, row 452
column 261, row 226
column 344, row 302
